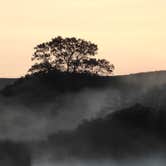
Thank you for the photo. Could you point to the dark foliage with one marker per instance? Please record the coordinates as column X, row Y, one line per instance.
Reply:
column 71, row 55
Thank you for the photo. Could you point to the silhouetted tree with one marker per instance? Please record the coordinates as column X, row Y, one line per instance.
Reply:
column 69, row 54
column 98, row 66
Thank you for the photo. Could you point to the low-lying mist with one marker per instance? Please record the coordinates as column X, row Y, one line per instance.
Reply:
column 36, row 114
column 20, row 122
column 147, row 161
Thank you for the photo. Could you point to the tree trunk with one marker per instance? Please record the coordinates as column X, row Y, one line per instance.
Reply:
column 68, row 67
column 74, row 69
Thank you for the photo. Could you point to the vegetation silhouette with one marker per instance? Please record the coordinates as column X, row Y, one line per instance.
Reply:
column 70, row 55
column 14, row 154
column 53, row 83
column 63, row 64
column 131, row 132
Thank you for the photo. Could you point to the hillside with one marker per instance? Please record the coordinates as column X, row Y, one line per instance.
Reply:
column 6, row 81
column 69, row 82
column 133, row 132
column 63, row 100
column 127, row 89
column 61, row 115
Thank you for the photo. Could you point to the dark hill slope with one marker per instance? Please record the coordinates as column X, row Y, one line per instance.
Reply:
column 68, row 82
column 59, row 82
column 132, row 132
column 115, row 92
column 6, row 81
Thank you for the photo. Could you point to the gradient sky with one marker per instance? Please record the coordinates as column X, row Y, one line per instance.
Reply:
column 130, row 33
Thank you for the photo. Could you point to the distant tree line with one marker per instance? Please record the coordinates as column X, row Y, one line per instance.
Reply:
column 69, row 55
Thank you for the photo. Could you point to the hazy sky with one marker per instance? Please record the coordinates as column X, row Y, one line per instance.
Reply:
column 130, row 33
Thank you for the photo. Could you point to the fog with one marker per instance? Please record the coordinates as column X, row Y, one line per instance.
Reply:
column 19, row 122
column 149, row 161
column 65, row 112
column 32, row 124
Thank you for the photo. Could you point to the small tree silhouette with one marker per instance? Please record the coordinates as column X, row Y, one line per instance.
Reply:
column 70, row 55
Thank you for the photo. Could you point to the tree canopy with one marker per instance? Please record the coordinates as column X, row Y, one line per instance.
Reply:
column 70, row 55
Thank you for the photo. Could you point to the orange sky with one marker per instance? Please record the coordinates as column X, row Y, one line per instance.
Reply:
column 130, row 33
